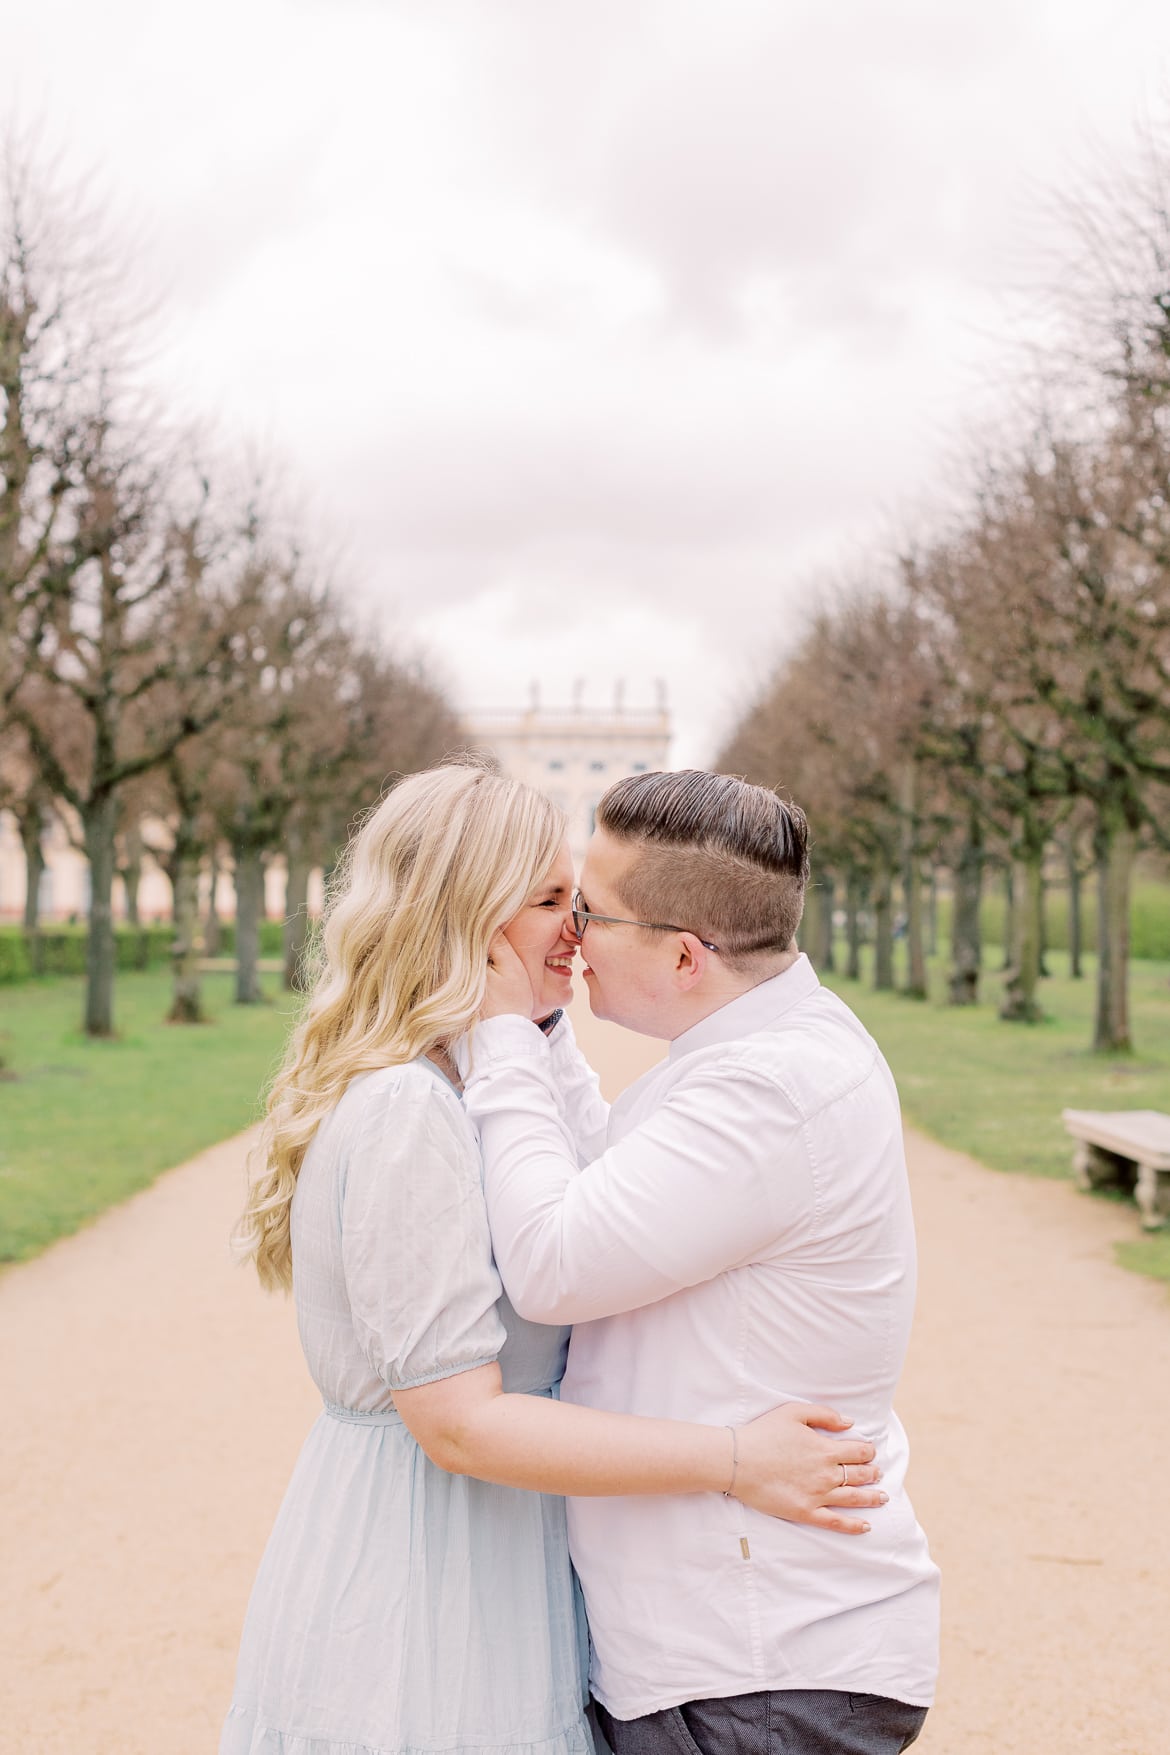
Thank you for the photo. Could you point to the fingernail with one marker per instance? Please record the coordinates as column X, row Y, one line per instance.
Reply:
column 884, row 1499
column 865, row 1529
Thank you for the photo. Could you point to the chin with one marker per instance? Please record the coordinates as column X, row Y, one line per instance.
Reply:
column 553, row 1002
column 597, row 1002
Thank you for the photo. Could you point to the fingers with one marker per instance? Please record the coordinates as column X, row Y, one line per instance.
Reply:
column 850, row 1450
column 854, row 1496
column 817, row 1414
column 856, row 1474
column 835, row 1520
column 853, row 1451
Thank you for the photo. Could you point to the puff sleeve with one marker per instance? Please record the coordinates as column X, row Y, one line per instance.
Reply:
column 416, row 1250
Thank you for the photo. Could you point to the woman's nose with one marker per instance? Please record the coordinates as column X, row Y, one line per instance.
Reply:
column 568, row 930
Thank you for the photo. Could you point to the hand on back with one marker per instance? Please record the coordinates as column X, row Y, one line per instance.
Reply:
column 790, row 1467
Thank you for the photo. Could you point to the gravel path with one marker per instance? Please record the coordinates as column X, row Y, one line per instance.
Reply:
column 154, row 1402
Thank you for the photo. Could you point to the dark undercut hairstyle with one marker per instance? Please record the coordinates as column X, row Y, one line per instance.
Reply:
column 724, row 859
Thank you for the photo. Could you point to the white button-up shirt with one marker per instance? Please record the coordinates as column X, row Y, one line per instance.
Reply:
column 743, row 1239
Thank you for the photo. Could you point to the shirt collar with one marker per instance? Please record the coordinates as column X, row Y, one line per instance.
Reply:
column 750, row 1011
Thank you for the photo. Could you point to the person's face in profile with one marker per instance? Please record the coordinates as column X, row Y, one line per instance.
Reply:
column 542, row 937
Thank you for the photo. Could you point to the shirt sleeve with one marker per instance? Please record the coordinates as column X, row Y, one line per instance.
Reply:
column 707, row 1183
column 416, row 1250
column 585, row 1110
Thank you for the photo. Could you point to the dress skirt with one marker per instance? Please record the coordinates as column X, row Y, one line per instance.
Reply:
column 400, row 1609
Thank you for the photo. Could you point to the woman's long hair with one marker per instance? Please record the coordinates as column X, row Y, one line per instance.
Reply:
column 445, row 860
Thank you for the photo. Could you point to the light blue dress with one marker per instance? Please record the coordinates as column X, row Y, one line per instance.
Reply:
column 398, row 1608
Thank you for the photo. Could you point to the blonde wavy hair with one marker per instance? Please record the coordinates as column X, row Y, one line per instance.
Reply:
column 400, row 965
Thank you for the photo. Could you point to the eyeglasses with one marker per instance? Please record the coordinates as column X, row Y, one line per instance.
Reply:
column 582, row 916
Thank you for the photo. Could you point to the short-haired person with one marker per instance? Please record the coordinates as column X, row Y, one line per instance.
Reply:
column 742, row 1236
column 414, row 1597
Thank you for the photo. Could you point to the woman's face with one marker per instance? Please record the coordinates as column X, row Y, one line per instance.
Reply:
column 542, row 936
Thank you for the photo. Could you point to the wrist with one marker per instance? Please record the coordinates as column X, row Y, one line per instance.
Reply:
column 729, row 1490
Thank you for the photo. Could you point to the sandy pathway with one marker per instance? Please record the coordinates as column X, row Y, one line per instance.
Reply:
column 154, row 1402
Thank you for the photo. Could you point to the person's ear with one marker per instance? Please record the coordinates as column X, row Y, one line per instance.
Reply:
column 691, row 962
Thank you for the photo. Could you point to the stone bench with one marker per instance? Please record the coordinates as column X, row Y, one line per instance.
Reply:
column 1124, row 1148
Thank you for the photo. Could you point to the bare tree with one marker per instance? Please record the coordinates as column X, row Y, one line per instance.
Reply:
column 840, row 726
column 118, row 639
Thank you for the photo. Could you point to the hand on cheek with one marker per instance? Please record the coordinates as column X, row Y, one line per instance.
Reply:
column 509, row 991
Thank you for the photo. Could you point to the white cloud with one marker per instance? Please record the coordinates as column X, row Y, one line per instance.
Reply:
column 591, row 331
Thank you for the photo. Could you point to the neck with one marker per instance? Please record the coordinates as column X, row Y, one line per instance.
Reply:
column 729, row 984
column 439, row 1056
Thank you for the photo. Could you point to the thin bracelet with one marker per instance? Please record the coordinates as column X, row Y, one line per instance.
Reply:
column 730, row 1488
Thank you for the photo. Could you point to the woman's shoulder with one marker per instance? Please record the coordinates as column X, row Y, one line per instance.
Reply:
column 413, row 1090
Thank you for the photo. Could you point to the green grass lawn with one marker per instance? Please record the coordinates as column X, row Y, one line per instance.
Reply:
column 84, row 1124
column 996, row 1090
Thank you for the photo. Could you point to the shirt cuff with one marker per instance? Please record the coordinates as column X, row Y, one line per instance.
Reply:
column 497, row 1040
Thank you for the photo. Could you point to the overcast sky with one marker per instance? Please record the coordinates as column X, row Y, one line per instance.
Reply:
column 596, row 332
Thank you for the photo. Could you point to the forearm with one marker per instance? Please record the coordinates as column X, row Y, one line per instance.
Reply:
column 689, row 1194
column 777, row 1464
column 556, row 1447
column 585, row 1110
column 530, row 1160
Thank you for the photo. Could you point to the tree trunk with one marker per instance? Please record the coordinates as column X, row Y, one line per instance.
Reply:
column 854, row 899
column 131, row 873
column 883, row 930
column 1009, row 915
column 828, row 902
column 187, row 989
column 99, row 823
column 1042, row 923
column 1074, row 910
column 211, row 934
column 249, row 913
column 296, row 913
column 916, row 980
column 1115, row 845
column 915, row 987
column 932, row 913
column 31, row 821
column 966, row 927
column 1019, row 1003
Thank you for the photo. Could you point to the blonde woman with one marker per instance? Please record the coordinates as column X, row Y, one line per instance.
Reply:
column 416, row 1592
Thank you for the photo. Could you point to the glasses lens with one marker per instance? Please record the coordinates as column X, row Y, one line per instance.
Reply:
column 579, row 915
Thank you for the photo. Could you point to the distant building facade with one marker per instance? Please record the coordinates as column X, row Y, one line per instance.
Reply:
column 574, row 753
column 571, row 753
column 64, row 891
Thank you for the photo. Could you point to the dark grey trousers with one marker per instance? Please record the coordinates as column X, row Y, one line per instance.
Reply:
column 796, row 1721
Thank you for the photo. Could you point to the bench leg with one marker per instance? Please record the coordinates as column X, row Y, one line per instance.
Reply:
column 1094, row 1167
column 1152, row 1203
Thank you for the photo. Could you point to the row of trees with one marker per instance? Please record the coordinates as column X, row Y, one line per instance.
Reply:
column 176, row 674
column 1002, row 688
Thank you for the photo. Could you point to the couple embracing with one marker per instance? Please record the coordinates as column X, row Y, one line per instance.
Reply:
column 511, row 1295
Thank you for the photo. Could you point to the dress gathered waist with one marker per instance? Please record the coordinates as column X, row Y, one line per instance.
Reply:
column 357, row 1417
column 391, row 1416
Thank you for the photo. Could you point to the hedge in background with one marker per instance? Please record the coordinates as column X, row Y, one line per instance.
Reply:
column 271, row 938
column 60, row 950
column 1149, row 920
